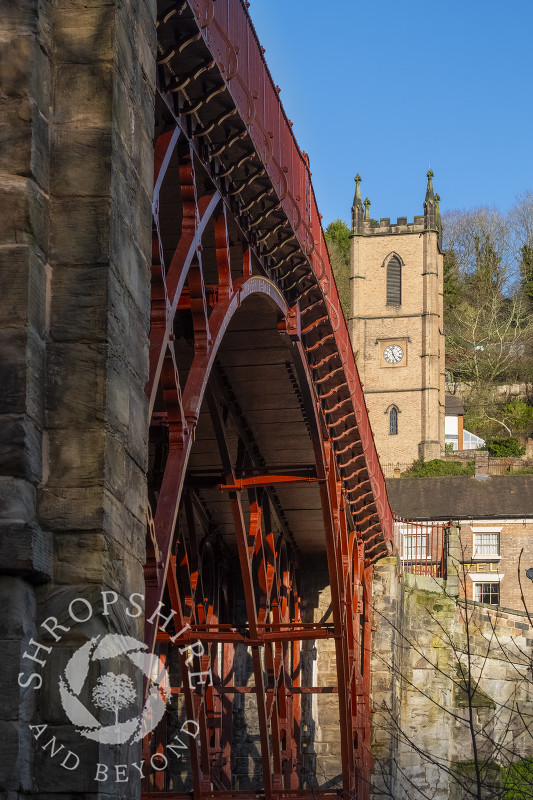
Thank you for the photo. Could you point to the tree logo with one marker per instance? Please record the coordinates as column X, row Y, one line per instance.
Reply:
column 114, row 691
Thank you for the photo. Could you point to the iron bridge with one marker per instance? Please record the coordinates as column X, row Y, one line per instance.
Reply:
column 263, row 471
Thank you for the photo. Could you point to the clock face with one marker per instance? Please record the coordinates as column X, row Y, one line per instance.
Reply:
column 393, row 354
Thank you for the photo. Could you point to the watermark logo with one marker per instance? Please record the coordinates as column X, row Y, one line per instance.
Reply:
column 102, row 701
column 114, row 691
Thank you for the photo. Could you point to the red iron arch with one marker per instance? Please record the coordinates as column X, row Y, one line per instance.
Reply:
column 232, row 228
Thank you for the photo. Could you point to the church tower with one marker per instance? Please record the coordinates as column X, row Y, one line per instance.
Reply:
column 396, row 326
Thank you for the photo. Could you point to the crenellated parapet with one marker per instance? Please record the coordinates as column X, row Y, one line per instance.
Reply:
column 364, row 225
column 400, row 226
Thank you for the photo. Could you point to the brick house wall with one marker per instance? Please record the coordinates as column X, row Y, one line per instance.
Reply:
column 513, row 537
column 499, row 507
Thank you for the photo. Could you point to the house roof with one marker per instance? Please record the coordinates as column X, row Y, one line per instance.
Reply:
column 499, row 496
column 453, row 406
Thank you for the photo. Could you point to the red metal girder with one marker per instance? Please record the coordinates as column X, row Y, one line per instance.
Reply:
column 258, row 641
column 251, row 611
column 180, row 444
column 191, row 701
column 225, row 287
column 294, row 184
column 175, row 562
column 264, row 480
column 266, row 626
column 291, row 324
column 163, row 149
column 293, row 690
column 327, row 338
column 243, row 794
column 198, row 301
column 337, row 547
column 161, row 334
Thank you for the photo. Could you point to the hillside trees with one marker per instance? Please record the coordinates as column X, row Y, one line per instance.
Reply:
column 488, row 296
column 338, row 240
column 521, row 223
column 486, row 318
column 526, row 271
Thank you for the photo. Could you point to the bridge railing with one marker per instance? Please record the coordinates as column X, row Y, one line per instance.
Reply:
column 230, row 35
column 421, row 546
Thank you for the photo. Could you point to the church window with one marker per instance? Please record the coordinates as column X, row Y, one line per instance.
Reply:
column 393, row 421
column 394, row 282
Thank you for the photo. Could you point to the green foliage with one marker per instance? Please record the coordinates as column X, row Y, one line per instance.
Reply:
column 438, row 468
column 526, row 271
column 504, row 447
column 489, row 414
column 518, row 415
column 452, row 283
column 475, row 421
column 489, row 275
column 517, row 780
column 338, row 240
column 339, row 232
column 448, row 448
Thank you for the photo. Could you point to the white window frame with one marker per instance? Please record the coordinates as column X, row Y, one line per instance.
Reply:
column 407, row 552
column 487, row 581
column 486, row 556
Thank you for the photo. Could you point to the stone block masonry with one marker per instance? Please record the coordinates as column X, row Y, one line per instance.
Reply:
column 409, row 319
column 446, row 674
column 320, row 713
column 76, row 96
column 26, row 548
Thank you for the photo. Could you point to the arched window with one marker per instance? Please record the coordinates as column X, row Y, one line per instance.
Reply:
column 393, row 421
column 394, row 282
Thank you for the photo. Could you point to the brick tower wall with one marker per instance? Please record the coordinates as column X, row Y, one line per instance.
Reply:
column 415, row 385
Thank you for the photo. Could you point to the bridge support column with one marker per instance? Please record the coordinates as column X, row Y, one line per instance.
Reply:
column 25, row 548
column 75, row 243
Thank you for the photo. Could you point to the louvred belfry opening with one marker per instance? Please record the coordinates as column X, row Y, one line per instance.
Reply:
column 268, row 505
column 394, row 282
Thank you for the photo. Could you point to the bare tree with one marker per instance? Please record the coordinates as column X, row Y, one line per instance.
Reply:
column 520, row 222
column 487, row 339
column 477, row 237
column 491, row 750
column 489, row 290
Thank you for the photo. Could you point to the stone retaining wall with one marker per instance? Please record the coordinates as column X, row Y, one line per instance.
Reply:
column 420, row 689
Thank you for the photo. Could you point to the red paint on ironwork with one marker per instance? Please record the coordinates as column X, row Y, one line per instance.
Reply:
column 350, row 484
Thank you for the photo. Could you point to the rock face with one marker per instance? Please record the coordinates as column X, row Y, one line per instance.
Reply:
column 451, row 685
column 76, row 97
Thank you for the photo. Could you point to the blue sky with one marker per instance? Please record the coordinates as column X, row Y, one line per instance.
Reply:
column 387, row 88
